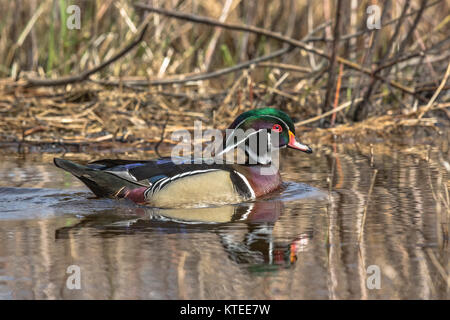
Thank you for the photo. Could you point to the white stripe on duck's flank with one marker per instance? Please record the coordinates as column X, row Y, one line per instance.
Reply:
column 247, row 183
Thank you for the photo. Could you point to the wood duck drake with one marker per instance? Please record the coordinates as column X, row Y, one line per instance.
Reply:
column 168, row 182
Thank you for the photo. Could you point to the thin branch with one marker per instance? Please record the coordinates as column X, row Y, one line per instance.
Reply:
column 257, row 62
column 393, row 39
column 336, row 96
column 86, row 74
column 398, row 60
column 331, row 68
column 199, row 77
column 274, row 35
column 163, row 131
column 232, row 26
column 361, row 32
column 436, row 94
column 412, row 28
column 373, row 84
column 366, row 30
column 339, row 108
column 284, row 66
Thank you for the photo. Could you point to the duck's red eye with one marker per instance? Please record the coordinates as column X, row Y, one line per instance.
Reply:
column 277, row 128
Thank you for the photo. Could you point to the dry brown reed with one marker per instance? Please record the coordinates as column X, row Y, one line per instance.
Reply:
column 132, row 68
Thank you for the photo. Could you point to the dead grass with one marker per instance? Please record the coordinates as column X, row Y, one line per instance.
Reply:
column 385, row 92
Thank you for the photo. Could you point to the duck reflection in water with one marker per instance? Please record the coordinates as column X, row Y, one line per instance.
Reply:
column 254, row 245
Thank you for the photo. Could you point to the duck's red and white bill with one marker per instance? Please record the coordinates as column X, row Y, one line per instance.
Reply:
column 294, row 144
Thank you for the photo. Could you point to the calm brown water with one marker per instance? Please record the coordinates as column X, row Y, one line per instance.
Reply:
column 301, row 243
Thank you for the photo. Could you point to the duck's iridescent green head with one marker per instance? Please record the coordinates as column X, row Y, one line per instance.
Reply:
column 272, row 120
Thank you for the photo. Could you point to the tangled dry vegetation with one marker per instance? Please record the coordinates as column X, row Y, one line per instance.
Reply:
column 134, row 73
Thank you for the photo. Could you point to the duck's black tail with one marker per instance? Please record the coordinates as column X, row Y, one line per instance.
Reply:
column 103, row 184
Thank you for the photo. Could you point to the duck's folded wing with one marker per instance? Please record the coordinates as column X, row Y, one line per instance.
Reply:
column 150, row 172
